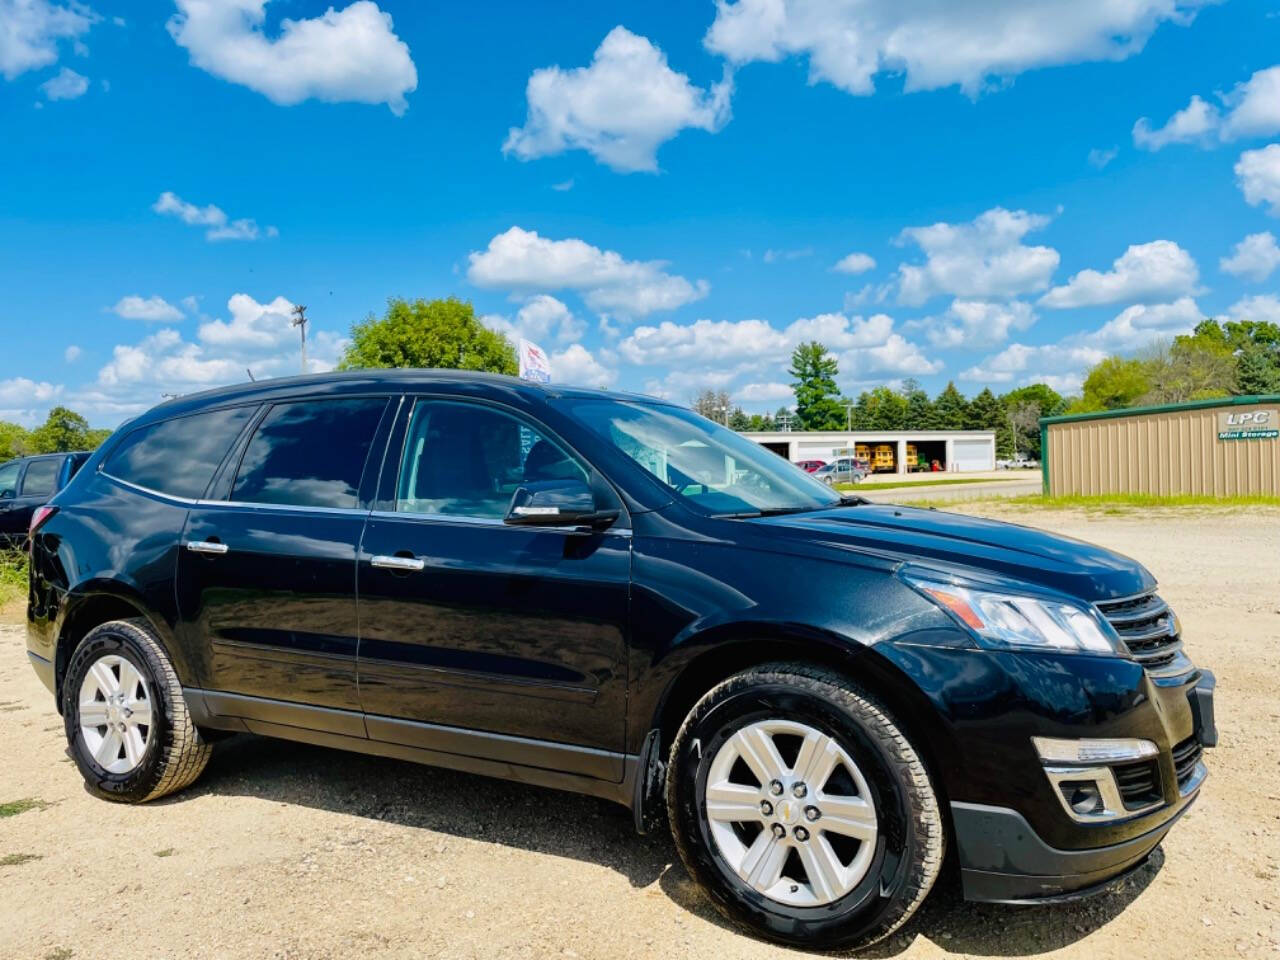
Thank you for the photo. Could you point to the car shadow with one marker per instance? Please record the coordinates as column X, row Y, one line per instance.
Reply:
column 596, row 831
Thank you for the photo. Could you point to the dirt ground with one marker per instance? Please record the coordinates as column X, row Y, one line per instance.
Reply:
column 291, row 851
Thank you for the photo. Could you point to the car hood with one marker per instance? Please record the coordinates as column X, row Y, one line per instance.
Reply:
column 985, row 547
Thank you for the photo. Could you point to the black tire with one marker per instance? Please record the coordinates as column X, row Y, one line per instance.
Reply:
column 175, row 753
column 909, row 844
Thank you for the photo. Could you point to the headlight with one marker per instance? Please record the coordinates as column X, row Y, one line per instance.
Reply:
column 1009, row 621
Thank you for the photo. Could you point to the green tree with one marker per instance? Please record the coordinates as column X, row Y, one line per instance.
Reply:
column 712, row 404
column 951, row 409
column 1113, row 383
column 428, row 333
column 920, row 412
column 63, row 430
column 1024, row 406
column 1191, row 368
column 738, row 420
column 985, row 412
column 887, row 410
column 762, row 423
column 14, row 441
column 814, row 371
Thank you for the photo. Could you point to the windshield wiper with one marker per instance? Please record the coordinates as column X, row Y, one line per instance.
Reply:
column 770, row 512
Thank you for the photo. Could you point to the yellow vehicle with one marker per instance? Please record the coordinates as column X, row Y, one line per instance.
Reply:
column 912, row 460
column 883, row 458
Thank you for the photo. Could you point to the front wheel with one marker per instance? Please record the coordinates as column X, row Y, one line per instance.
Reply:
column 802, row 809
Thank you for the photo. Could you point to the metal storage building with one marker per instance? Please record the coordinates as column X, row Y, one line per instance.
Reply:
column 1217, row 448
column 958, row 451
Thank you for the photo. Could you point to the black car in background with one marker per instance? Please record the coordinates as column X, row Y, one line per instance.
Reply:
column 31, row 482
column 609, row 594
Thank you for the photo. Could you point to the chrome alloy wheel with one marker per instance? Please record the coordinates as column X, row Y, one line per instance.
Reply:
column 791, row 813
column 115, row 714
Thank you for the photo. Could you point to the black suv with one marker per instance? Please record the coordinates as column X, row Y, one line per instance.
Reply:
column 30, row 482
column 609, row 594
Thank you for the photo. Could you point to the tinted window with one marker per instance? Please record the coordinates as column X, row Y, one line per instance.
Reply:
column 41, row 478
column 310, row 453
column 465, row 460
column 179, row 456
column 9, row 480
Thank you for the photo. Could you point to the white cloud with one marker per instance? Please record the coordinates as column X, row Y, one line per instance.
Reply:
column 1252, row 109
column 855, row 263
column 774, row 256
column 66, row 84
column 151, row 309
column 1254, row 257
column 619, row 109
column 964, row 42
column 1266, row 307
column 983, row 258
column 897, row 356
column 576, row 366
column 1099, row 158
column 1258, row 174
column 1060, row 365
column 765, row 393
column 522, row 261
column 30, row 31
column 977, row 323
column 724, row 340
column 564, row 186
column 257, row 336
column 71, row 354
column 1136, row 326
column 220, row 227
column 542, row 317
column 1146, row 272
column 1196, row 121
column 25, row 401
column 348, row 55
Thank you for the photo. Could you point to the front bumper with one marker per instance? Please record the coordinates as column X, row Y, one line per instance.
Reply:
column 1003, row 859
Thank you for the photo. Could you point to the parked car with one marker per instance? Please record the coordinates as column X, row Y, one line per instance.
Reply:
column 30, row 482
column 820, row 695
column 809, row 466
column 843, row 470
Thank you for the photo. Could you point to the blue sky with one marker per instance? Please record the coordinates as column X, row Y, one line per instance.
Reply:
column 666, row 196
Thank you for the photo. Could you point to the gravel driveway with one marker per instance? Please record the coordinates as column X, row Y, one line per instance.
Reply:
column 284, row 850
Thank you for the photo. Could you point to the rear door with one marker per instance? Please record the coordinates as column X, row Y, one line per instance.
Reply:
column 266, row 576
column 470, row 628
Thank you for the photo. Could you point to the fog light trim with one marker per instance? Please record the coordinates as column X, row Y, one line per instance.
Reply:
column 1053, row 750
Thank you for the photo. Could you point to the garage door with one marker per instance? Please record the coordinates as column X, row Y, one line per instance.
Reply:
column 969, row 456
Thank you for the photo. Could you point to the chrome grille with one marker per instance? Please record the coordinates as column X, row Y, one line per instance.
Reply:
column 1148, row 628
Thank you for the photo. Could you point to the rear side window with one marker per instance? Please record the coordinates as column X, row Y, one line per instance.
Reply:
column 178, row 456
column 9, row 479
column 41, row 478
column 310, row 453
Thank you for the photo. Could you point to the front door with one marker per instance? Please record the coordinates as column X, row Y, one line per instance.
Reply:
column 481, row 638
column 266, row 576
column 39, row 484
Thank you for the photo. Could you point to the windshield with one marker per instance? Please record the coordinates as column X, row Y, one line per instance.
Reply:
column 712, row 468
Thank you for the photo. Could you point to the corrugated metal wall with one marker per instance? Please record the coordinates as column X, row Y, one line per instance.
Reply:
column 1172, row 453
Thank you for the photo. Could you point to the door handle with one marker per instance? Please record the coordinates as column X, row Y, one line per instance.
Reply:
column 207, row 546
column 398, row 563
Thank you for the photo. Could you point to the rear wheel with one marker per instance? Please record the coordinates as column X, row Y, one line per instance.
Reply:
column 802, row 809
column 125, row 716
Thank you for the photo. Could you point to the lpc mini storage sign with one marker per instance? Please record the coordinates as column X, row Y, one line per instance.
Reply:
column 1249, row 425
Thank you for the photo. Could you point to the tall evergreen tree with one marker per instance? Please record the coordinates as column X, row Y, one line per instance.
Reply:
column 817, row 397
column 920, row 412
column 950, row 409
column 985, row 412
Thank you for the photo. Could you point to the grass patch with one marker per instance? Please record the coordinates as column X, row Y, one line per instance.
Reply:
column 166, row 852
column 14, row 807
column 1138, row 500
column 13, row 574
column 905, row 484
column 18, row 859
column 60, row 953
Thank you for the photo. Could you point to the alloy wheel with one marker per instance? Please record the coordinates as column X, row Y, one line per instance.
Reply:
column 115, row 714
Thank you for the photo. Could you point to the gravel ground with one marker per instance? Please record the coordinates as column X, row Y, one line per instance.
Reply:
column 292, row 851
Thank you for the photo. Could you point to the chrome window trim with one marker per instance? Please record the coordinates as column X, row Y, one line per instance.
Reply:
column 463, row 520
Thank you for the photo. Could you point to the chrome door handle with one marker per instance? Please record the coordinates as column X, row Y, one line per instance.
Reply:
column 206, row 546
column 398, row 563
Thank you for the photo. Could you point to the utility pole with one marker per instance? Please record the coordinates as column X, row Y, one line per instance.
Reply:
column 300, row 321
column 848, row 406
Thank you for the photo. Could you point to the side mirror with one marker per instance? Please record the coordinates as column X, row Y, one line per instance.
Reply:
column 557, row 503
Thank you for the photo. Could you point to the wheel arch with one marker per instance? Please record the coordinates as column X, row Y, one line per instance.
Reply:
column 86, row 611
column 747, row 646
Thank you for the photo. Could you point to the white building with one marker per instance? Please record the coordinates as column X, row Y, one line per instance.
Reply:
column 956, row 451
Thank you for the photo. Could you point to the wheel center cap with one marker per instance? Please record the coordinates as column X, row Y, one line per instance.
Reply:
column 787, row 811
